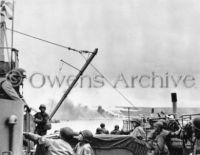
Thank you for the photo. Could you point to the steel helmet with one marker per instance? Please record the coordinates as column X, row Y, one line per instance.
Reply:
column 67, row 132
column 196, row 126
column 102, row 125
column 87, row 135
column 22, row 72
column 196, row 123
column 42, row 106
column 16, row 76
column 137, row 121
column 19, row 72
column 116, row 127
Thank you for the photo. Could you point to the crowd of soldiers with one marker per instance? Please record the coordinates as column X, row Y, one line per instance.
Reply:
column 156, row 139
column 53, row 146
column 61, row 145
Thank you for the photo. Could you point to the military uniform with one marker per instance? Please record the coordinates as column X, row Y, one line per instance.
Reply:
column 7, row 91
column 138, row 132
column 115, row 132
column 98, row 131
column 159, row 138
column 83, row 149
column 54, row 147
column 104, row 131
column 41, row 120
column 47, row 146
column 158, row 142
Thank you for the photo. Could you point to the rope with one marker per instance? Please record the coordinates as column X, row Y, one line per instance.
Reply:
column 108, row 81
column 50, row 42
column 61, row 66
column 56, row 90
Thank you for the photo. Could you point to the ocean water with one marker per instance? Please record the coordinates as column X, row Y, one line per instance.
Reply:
column 79, row 125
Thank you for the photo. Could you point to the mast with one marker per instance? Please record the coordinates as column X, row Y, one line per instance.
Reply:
column 8, row 55
column 73, row 83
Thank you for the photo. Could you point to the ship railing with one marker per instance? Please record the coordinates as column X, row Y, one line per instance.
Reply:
column 188, row 117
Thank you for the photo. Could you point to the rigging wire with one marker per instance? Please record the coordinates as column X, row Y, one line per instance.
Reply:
column 61, row 66
column 79, row 51
column 70, row 65
column 56, row 90
column 50, row 42
column 108, row 81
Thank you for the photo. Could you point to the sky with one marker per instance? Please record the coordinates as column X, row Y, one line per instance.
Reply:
column 135, row 38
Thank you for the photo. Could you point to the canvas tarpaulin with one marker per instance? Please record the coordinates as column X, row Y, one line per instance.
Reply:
column 108, row 142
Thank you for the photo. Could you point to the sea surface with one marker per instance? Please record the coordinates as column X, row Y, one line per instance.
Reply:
column 79, row 125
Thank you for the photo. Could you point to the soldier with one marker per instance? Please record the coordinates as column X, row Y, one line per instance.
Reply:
column 138, row 131
column 196, row 135
column 47, row 146
column 158, row 139
column 10, row 83
column 116, row 131
column 104, row 130
column 6, row 89
column 99, row 131
column 41, row 119
column 83, row 147
column 16, row 77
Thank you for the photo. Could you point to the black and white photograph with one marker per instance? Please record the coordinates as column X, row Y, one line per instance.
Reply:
column 99, row 77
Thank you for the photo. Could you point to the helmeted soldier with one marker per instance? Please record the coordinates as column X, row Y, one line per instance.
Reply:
column 16, row 77
column 48, row 146
column 138, row 132
column 41, row 119
column 158, row 139
column 9, row 84
column 104, row 130
column 116, row 131
column 99, row 131
column 196, row 135
column 196, row 127
column 83, row 147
